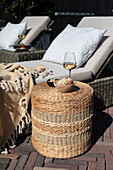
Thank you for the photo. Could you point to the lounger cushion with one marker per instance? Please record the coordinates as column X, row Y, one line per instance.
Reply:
column 35, row 25
column 100, row 56
column 100, row 22
column 9, row 34
column 106, row 46
column 59, row 71
column 81, row 41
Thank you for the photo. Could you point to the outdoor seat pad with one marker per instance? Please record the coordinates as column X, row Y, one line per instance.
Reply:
column 59, row 71
column 35, row 25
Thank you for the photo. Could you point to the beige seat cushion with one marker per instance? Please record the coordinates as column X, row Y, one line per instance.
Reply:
column 35, row 25
column 100, row 56
column 105, row 22
column 106, row 45
column 59, row 71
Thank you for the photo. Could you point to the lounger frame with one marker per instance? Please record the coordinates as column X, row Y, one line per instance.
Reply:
column 17, row 56
column 103, row 86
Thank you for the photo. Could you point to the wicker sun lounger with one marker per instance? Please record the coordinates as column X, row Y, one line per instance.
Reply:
column 102, row 82
column 93, row 70
column 37, row 26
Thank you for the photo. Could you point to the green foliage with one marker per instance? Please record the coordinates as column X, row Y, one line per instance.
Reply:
column 18, row 8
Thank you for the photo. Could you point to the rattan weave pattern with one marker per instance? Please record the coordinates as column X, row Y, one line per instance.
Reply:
column 10, row 56
column 103, row 92
column 58, row 151
column 62, row 122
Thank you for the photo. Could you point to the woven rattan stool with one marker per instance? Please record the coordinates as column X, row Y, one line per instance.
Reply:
column 62, row 122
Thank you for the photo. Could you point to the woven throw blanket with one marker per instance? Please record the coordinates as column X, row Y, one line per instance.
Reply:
column 15, row 90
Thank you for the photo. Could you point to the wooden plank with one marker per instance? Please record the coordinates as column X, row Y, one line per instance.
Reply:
column 12, row 164
column 40, row 160
column 40, row 168
column 4, row 160
column 21, row 163
column 3, row 166
column 31, row 161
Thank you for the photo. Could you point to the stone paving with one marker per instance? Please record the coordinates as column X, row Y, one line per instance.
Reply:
column 98, row 157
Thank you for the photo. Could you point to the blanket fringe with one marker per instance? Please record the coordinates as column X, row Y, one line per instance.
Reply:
column 20, row 85
column 2, row 86
column 13, row 141
column 4, row 151
column 19, row 82
column 19, row 130
column 23, row 123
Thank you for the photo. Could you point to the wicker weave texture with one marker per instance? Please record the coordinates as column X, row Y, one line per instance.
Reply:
column 103, row 92
column 62, row 122
column 10, row 57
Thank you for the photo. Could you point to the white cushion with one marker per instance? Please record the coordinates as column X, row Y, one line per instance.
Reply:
column 9, row 34
column 81, row 41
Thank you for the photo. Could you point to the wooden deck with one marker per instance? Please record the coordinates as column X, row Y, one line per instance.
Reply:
column 99, row 156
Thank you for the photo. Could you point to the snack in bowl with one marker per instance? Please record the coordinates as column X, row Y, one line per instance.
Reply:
column 64, row 85
column 65, row 81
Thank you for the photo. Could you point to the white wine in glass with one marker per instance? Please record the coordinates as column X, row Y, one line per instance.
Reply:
column 69, row 61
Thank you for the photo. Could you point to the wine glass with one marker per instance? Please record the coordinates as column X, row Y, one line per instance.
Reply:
column 69, row 61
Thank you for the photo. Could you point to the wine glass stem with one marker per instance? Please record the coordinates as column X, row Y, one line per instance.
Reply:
column 69, row 73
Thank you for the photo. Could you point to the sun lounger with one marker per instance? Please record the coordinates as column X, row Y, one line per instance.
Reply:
column 36, row 26
column 93, row 68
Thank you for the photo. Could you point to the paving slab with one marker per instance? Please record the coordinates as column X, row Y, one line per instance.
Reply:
column 99, row 156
